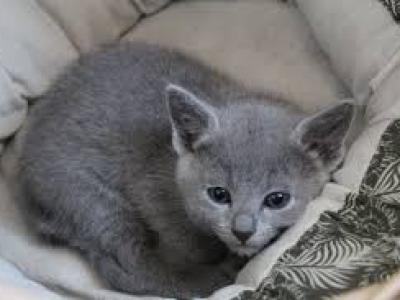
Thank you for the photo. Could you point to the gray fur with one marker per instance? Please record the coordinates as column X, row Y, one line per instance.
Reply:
column 119, row 154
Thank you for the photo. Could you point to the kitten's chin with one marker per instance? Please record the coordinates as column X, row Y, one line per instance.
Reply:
column 244, row 251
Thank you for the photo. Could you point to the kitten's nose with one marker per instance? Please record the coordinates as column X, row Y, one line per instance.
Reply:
column 243, row 227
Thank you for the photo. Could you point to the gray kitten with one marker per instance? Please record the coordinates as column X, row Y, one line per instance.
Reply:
column 161, row 170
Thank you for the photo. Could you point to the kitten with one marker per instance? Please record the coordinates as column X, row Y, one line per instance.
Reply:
column 162, row 172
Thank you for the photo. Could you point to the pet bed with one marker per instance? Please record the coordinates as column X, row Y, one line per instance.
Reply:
column 268, row 45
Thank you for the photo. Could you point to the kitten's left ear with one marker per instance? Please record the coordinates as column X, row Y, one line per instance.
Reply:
column 323, row 135
column 192, row 119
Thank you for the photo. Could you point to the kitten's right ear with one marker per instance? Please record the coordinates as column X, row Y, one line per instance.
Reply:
column 323, row 135
column 192, row 119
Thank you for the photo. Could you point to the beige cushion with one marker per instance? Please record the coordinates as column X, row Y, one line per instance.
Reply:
column 150, row 6
column 39, row 38
column 360, row 37
column 265, row 44
column 90, row 23
column 13, row 109
column 26, row 64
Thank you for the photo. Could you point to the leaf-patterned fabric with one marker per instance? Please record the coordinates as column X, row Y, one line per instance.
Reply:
column 394, row 8
column 354, row 247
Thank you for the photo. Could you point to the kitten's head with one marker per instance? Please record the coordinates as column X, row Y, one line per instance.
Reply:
column 247, row 171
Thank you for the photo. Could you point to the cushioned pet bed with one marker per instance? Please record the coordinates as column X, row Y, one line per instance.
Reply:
column 313, row 52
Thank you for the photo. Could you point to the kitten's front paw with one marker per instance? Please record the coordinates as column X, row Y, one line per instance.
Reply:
column 204, row 280
column 232, row 265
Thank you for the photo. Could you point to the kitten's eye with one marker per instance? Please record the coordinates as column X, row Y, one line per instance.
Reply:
column 277, row 200
column 219, row 195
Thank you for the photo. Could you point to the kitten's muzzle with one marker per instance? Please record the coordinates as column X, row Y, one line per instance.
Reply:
column 243, row 227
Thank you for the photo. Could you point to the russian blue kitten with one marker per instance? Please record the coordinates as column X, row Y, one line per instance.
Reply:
column 162, row 172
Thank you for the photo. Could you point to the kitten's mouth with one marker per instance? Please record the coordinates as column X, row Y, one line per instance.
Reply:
column 249, row 250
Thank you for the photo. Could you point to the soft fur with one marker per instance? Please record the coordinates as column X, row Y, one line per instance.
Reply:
column 119, row 154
